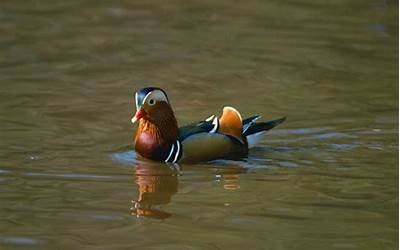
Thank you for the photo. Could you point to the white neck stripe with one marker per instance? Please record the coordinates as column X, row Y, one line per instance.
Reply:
column 177, row 151
column 170, row 152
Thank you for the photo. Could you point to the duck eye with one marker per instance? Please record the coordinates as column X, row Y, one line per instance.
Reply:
column 152, row 102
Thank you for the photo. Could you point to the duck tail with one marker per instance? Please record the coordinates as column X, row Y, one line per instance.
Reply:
column 254, row 131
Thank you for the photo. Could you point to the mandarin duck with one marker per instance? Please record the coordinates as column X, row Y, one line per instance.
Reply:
column 159, row 138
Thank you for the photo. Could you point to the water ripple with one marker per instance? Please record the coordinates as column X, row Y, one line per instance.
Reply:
column 72, row 176
column 16, row 240
column 125, row 158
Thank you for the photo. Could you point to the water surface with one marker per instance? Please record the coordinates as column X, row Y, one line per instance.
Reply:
column 325, row 179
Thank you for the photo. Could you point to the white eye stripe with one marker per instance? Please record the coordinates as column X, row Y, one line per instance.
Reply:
column 153, row 96
column 157, row 95
column 144, row 99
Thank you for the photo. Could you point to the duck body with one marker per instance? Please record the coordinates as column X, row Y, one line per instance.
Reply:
column 211, row 146
column 159, row 138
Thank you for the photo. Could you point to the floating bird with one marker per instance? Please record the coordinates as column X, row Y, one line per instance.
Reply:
column 159, row 138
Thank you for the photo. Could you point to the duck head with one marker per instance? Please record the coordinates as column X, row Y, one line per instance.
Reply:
column 149, row 103
column 158, row 127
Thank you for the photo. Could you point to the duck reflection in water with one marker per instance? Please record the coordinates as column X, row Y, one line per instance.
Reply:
column 229, row 176
column 157, row 183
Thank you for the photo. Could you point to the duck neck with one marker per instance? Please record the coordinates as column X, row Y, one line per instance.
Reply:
column 162, row 134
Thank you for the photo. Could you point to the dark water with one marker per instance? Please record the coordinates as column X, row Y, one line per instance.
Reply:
column 326, row 179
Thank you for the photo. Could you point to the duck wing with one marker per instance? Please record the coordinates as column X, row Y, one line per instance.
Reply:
column 255, row 127
column 210, row 125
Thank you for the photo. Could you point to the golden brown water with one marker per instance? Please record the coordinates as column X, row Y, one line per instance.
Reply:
column 325, row 179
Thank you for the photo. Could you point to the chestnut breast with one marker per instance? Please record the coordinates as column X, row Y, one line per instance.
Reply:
column 148, row 146
column 145, row 143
